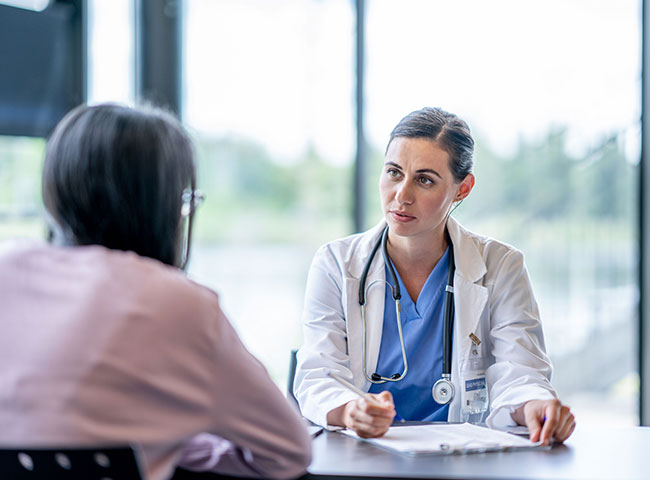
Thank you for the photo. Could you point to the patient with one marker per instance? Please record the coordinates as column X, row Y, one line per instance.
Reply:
column 105, row 341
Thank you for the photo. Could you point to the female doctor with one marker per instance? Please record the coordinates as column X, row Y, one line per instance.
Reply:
column 435, row 322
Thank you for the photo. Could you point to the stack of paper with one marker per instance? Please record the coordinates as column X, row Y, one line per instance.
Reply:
column 445, row 438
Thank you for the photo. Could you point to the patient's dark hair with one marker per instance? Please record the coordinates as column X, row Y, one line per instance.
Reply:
column 450, row 132
column 114, row 176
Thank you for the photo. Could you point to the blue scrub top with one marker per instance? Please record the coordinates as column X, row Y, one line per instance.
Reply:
column 422, row 324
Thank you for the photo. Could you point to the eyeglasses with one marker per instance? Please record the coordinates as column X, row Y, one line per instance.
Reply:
column 192, row 199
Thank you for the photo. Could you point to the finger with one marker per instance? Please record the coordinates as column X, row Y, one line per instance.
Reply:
column 534, row 429
column 360, row 420
column 534, row 425
column 382, row 429
column 551, row 416
column 366, row 413
column 361, row 416
column 564, row 421
column 371, row 432
column 563, row 432
column 570, row 430
column 363, row 430
column 369, row 405
column 355, row 414
column 381, row 405
column 368, row 426
column 381, row 411
column 385, row 397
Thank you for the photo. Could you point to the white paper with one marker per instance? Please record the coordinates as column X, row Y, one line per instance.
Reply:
column 446, row 438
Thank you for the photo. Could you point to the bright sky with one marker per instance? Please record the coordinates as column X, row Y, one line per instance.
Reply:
column 509, row 67
column 282, row 71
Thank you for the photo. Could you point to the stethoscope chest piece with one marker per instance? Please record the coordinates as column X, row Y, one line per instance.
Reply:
column 443, row 391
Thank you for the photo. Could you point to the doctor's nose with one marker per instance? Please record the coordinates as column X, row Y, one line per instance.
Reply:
column 403, row 194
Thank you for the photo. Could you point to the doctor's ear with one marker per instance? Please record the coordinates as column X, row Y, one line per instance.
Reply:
column 465, row 187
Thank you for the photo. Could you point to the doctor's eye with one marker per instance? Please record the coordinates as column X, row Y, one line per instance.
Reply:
column 393, row 172
column 425, row 180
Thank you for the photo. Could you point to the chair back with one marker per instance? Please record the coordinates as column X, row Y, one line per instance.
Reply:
column 292, row 375
column 115, row 463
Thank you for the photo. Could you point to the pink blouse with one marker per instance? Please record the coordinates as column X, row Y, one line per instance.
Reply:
column 102, row 347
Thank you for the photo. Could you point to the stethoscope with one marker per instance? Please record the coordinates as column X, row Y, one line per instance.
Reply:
column 443, row 390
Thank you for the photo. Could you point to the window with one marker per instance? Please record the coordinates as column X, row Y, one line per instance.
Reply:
column 110, row 34
column 554, row 106
column 269, row 98
column 551, row 90
column 111, row 51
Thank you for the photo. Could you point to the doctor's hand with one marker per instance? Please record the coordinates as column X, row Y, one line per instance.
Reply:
column 369, row 419
column 546, row 420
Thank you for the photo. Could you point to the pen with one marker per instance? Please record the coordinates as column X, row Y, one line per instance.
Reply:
column 360, row 392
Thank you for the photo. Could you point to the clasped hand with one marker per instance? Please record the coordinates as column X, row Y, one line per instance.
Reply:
column 368, row 419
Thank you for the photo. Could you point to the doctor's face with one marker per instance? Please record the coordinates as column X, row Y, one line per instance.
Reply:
column 418, row 189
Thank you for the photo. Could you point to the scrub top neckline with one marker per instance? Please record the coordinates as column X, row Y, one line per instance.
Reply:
column 431, row 290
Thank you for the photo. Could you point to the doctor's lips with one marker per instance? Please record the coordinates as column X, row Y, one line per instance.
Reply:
column 401, row 216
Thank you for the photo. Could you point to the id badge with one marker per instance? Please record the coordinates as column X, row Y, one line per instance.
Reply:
column 474, row 392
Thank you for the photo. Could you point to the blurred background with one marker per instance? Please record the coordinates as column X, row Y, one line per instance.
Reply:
column 290, row 104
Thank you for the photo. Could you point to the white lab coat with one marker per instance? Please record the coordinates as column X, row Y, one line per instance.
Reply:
column 493, row 299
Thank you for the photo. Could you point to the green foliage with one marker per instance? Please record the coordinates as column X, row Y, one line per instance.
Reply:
column 542, row 182
column 251, row 198
column 254, row 198
column 20, row 172
column 20, row 187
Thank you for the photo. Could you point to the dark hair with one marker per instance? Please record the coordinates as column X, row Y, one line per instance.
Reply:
column 444, row 128
column 114, row 176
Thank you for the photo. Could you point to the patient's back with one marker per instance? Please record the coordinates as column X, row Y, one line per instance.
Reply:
column 100, row 345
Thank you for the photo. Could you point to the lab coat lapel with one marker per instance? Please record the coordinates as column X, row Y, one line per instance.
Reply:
column 375, row 285
column 469, row 302
column 470, row 297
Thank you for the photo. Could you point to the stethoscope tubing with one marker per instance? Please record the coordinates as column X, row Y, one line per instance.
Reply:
column 448, row 325
column 382, row 242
